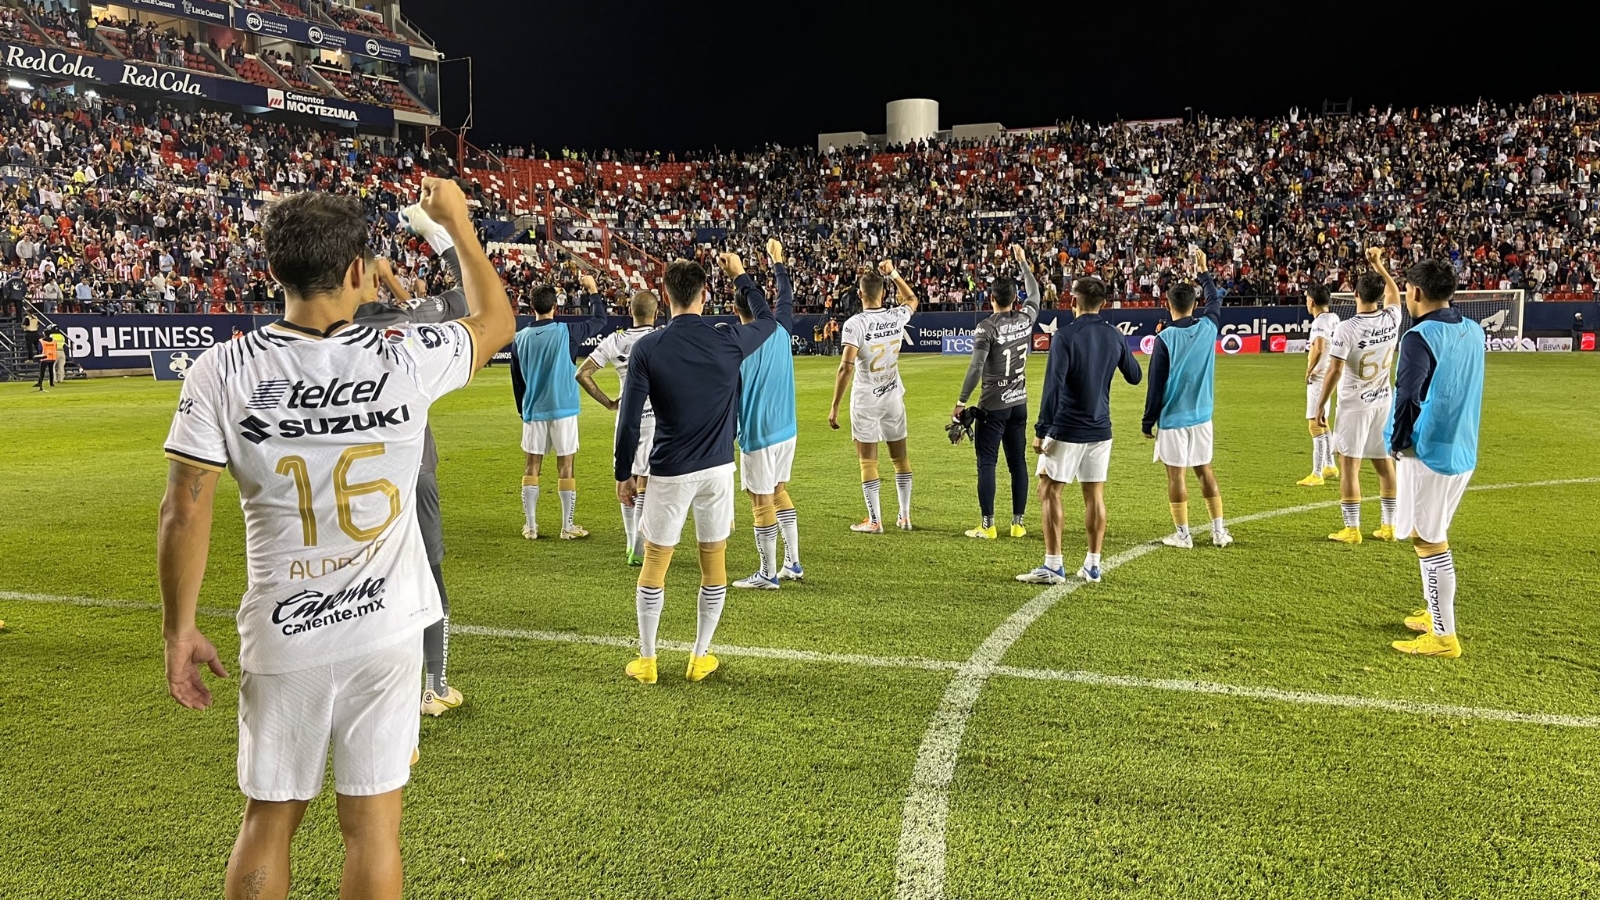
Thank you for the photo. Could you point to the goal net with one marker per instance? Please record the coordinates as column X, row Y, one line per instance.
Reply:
column 1499, row 312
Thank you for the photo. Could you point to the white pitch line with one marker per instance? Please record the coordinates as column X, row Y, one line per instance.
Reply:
column 920, row 859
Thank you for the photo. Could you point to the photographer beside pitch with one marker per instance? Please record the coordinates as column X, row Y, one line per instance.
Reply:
column 339, row 593
column 1000, row 347
column 689, row 371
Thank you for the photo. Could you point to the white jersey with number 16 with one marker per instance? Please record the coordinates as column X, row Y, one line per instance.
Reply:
column 324, row 436
column 877, row 334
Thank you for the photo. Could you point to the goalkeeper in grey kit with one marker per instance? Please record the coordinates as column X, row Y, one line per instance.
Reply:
column 438, row 697
column 1000, row 347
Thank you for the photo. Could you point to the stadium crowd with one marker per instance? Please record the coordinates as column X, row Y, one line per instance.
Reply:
column 113, row 206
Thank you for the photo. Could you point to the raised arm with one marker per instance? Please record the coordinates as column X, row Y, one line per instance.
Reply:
column 749, row 338
column 490, row 319
column 902, row 291
column 1030, row 284
column 598, row 320
column 1391, row 291
column 183, row 541
column 780, row 276
column 388, row 280
column 1208, row 286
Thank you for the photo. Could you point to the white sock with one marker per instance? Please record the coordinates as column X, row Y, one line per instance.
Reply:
column 902, row 490
column 569, row 501
column 1219, row 526
column 789, row 524
column 1183, row 531
column 711, row 600
column 638, row 522
column 1325, row 441
column 647, row 603
column 1316, row 455
column 1387, row 505
column 1439, row 590
column 1090, row 560
column 1352, row 514
column 530, row 505
column 628, row 526
column 1053, row 562
column 869, row 490
column 767, row 547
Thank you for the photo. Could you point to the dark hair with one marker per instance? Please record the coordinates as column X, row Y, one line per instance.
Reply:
column 1434, row 278
column 871, row 286
column 311, row 240
column 1091, row 292
column 543, row 299
column 1004, row 292
column 1370, row 287
column 1181, row 298
column 1320, row 298
column 684, row 282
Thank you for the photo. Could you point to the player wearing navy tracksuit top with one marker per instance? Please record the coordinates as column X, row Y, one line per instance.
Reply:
column 1433, row 436
column 768, row 425
column 1073, row 434
column 690, row 372
column 543, row 379
column 1179, row 400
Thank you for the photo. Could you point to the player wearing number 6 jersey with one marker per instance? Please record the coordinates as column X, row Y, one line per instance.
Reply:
column 870, row 363
column 1362, row 354
column 322, row 423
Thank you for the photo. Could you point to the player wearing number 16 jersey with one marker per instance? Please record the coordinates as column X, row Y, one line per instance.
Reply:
column 870, row 363
column 322, row 424
column 1362, row 355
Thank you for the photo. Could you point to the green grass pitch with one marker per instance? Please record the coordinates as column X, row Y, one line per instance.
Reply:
column 786, row 777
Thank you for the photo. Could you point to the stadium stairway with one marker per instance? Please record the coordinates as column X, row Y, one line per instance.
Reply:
column 14, row 359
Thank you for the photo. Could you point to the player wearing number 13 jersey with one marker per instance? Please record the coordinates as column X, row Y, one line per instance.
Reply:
column 322, row 424
column 1362, row 361
column 870, row 362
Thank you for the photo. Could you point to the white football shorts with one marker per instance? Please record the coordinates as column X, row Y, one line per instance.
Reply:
column 875, row 419
column 708, row 493
column 1358, row 433
column 647, row 440
column 763, row 470
column 551, row 437
column 1184, row 447
column 1066, row 462
column 366, row 707
column 1313, row 394
column 1426, row 501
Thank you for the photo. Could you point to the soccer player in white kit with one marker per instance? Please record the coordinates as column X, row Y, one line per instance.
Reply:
column 614, row 350
column 321, row 422
column 1323, row 323
column 1361, row 369
column 877, row 398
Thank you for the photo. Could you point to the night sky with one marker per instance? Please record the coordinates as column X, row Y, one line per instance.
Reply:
column 673, row 76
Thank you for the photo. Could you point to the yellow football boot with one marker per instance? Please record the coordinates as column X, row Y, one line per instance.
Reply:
column 1330, row 471
column 1017, row 531
column 1311, row 481
column 1346, row 536
column 987, row 534
column 1384, row 533
column 699, row 667
column 1430, row 644
column 438, row 704
column 1420, row 621
column 643, row 670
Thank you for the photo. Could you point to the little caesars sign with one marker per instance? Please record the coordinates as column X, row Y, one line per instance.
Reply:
column 106, row 71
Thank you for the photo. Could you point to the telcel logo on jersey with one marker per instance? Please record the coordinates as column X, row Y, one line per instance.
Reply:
column 338, row 393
